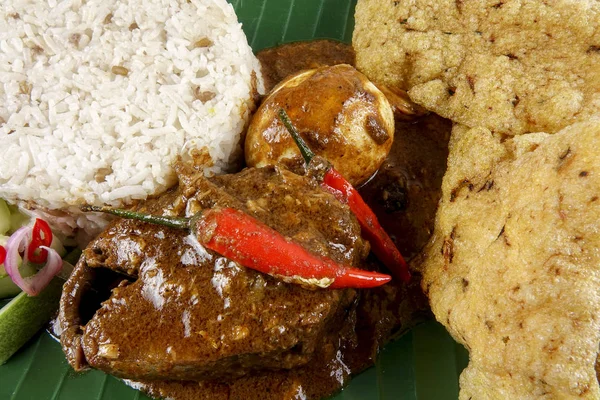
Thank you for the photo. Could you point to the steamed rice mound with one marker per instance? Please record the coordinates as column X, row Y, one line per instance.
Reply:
column 99, row 98
column 512, row 66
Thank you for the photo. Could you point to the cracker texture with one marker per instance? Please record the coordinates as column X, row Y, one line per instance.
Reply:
column 514, row 66
column 513, row 267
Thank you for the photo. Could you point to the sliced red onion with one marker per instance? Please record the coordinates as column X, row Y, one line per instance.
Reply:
column 11, row 263
column 52, row 267
column 34, row 284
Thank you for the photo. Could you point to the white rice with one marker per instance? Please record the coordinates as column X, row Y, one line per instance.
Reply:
column 73, row 131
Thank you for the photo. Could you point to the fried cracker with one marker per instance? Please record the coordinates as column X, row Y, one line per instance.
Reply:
column 513, row 267
column 512, row 66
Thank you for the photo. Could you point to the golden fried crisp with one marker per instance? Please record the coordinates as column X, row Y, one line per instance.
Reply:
column 513, row 267
column 512, row 66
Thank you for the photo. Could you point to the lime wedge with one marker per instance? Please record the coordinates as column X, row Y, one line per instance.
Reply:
column 23, row 316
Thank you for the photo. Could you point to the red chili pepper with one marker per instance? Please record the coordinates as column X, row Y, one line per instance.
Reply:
column 382, row 245
column 2, row 254
column 247, row 241
column 41, row 235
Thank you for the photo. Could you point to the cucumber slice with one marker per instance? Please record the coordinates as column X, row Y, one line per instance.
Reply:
column 23, row 316
column 7, row 286
column 4, row 218
column 58, row 246
column 3, row 273
column 17, row 218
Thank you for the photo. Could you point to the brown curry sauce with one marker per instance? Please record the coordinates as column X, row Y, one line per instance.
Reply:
column 404, row 194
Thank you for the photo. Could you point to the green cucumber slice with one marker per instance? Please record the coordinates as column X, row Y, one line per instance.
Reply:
column 23, row 316
column 17, row 218
column 4, row 218
column 58, row 246
column 7, row 286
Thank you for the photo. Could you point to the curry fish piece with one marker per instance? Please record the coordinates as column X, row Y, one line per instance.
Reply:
column 513, row 268
column 189, row 313
column 512, row 66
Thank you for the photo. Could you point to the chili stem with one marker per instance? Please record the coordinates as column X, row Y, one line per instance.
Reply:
column 306, row 152
column 172, row 222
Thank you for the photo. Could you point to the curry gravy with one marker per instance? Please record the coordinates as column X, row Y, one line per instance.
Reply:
column 404, row 194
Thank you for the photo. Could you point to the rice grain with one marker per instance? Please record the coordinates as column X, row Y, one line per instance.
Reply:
column 99, row 98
